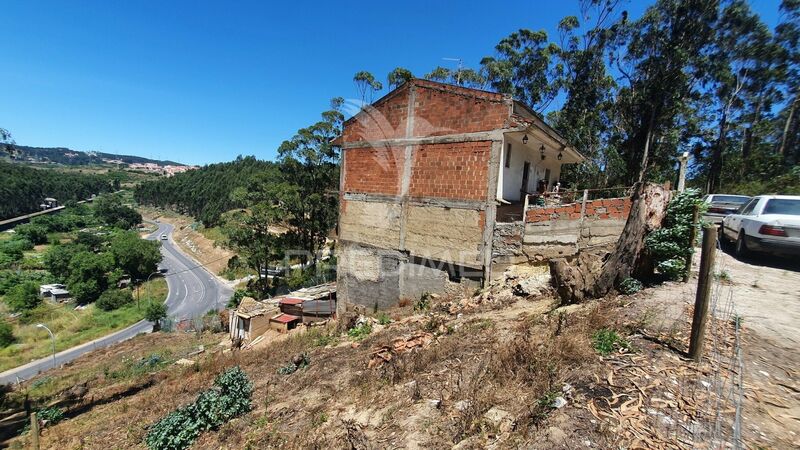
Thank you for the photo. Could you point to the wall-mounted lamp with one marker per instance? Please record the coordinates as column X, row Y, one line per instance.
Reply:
column 541, row 150
column 560, row 156
column 525, row 139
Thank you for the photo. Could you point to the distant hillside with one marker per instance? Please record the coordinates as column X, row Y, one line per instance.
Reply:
column 24, row 188
column 66, row 156
column 204, row 193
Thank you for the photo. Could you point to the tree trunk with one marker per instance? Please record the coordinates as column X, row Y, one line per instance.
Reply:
column 786, row 128
column 593, row 275
column 715, row 168
column 749, row 136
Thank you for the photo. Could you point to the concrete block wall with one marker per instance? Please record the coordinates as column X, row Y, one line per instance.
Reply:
column 417, row 190
column 456, row 170
column 374, row 170
column 558, row 231
column 444, row 109
column 386, row 119
column 608, row 208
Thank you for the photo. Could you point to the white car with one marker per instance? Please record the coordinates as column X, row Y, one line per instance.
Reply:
column 163, row 237
column 721, row 205
column 766, row 224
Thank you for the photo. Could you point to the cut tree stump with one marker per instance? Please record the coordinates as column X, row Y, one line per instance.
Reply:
column 592, row 275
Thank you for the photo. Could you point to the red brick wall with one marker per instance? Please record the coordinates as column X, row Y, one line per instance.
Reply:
column 445, row 110
column 609, row 208
column 386, row 121
column 373, row 170
column 454, row 171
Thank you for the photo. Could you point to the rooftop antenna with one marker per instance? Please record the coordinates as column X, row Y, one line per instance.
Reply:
column 458, row 71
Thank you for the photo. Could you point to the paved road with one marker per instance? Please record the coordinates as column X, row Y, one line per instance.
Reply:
column 192, row 292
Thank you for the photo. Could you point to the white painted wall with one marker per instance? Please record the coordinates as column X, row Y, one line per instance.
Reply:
column 510, row 178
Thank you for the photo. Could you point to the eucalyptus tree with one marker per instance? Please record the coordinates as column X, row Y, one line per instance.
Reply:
column 6, row 142
column 461, row 76
column 306, row 194
column 658, row 57
column 367, row 85
column 441, row 74
column 586, row 117
column 737, row 68
column 525, row 66
column 787, row 35
column 398, row 76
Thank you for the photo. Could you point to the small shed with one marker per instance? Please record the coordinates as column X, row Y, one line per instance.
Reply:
column 311, row 304
column 283, row 322
column 46, row 289
column 250, row 319
column 59, row 295
column 291, row 305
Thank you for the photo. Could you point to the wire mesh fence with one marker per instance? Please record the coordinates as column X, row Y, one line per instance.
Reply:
column 703, row 406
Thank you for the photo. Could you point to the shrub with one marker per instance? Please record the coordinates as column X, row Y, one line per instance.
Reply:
column 630, row 286
column 23, row 297
column 236, row 298
column 606, row 341
column 52, row 415
column 359, row 332
column 384, row 319
column 670, row 245
column 228, row 398
column 37, row 234
column 6, row 335
column 155, row 312
column 424, row 302
column 113, row 299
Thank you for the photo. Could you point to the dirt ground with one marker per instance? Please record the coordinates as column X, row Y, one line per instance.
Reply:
column 764, row 293
column 478, row 371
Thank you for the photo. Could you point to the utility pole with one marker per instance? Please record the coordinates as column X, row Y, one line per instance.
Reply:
column 684, row 160
column 703, row 293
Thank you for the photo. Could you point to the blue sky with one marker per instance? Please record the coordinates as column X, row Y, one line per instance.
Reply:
column 200, row 82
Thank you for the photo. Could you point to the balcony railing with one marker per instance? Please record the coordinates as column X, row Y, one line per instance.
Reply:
column 558, row 198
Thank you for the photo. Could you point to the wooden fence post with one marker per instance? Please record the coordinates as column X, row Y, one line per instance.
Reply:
column 703, row 293
column 692, row 242
column 34, row 431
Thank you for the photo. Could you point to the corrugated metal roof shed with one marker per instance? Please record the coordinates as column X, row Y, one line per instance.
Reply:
column 291, row 301
column 250, row 307
column 285, row 318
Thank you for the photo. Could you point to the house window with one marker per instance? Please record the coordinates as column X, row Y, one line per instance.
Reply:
column 508, row 155
column 547, row 177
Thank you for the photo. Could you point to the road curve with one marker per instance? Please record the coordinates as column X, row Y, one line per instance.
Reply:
column 193, row 291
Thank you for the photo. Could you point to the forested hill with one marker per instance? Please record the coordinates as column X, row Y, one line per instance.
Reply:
column 71, row 157
column 23, row 189
column 204, row 193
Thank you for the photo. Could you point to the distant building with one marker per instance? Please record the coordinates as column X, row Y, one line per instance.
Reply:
column 59, row 295
column 46, row 289
column 49, row 203
column 250, row 319
column 310, row 304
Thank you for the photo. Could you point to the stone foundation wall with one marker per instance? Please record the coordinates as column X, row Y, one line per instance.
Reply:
column 553, row 232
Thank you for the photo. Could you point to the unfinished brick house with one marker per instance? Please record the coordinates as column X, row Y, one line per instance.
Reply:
column 433, row 177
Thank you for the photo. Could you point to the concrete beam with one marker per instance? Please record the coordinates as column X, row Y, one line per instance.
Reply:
column 418, row 201
column 491, row 207
column 494, row 135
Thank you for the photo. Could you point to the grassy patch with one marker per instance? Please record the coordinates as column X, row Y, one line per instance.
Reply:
column 72, row 327
column 359, row 332
column 606, row 341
